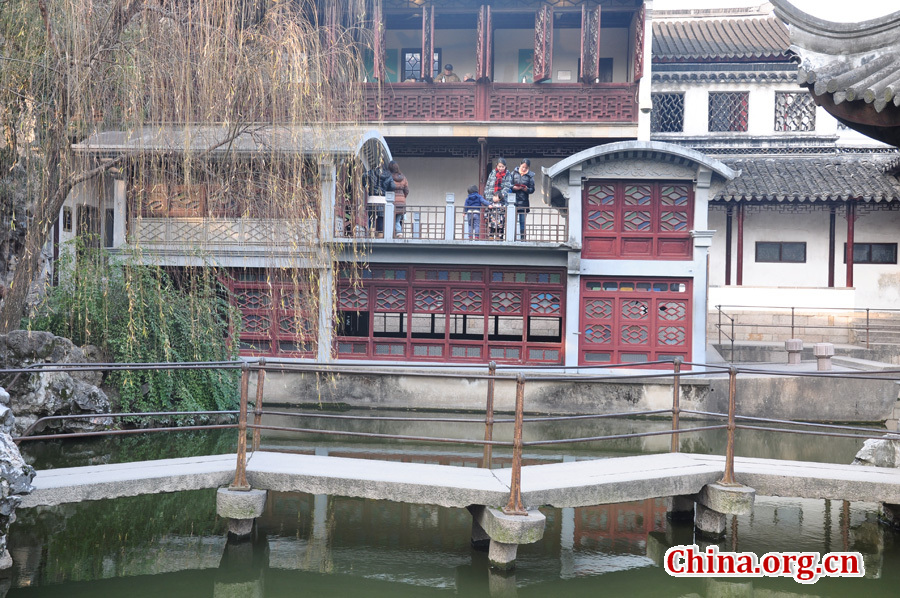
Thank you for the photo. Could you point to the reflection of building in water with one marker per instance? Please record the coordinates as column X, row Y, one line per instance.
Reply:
column 623, row 527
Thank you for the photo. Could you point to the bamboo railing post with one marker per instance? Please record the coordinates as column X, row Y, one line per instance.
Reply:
column 489, row 417
column 257, row 407
column 676, row 401
column 240, row 472
column 728, row 478
column 515, row 506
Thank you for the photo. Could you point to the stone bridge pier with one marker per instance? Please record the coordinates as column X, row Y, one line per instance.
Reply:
column 502, row 533
column 709, row 508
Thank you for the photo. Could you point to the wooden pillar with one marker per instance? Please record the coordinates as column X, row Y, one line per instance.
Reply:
column 484, row 45
column 378, row 45
column 851, row 220
column 543, row 44
column 729, row 213
column 740, row 244
column 590, row 44
column 427, row 62
column 483, row 162
column 831, row 246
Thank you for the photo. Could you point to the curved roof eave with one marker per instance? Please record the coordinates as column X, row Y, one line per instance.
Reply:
column 832, row 37
column 643, row 146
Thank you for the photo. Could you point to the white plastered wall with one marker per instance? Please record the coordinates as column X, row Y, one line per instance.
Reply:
column 430, row 179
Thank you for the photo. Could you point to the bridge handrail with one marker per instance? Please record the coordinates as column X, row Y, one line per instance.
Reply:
column 733, row 422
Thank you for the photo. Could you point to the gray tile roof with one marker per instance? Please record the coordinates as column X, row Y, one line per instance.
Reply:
column 821, row 178
column 720, row 39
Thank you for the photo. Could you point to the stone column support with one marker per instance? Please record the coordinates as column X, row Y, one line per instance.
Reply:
column 506, row 532
column 794, row 348
column 449, row 216
column 389, row 214
column 715, row 501
column 823, row 352
column 682, row 509
column 241, row 508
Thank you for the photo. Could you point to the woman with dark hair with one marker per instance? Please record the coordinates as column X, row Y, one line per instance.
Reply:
column 497, row 188
column 400, row 187
column 522, row 181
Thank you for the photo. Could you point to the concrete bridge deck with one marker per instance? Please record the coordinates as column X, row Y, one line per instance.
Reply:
column 567, row 484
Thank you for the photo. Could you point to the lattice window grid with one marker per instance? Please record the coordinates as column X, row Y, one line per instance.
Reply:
column 667, row 115
column 794, row 112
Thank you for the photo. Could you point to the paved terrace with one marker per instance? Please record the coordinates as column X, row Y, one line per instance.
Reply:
column 569, row 484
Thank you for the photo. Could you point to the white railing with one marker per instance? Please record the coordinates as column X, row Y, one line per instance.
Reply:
column 200, row 232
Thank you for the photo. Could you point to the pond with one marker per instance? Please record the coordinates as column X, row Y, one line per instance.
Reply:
column 174, row 545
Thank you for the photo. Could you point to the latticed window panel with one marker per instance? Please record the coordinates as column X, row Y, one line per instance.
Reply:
column 671, row 335
column 470, row 301
column 672, row 310
column 601, row 195
column 601, row 220
column 256, row 324
column 728, row 111
column 429, row 300
column 794, row 112
column 635, row 309
column 354, row 298
column 248, row 299
column 635, row 335
column 506, row 302
column 296, row 324
column 599, row 309
column 600, row 334
column 545, row 303
column 488, row 312
column 637, row 195
column 393, row 299
column 667, row 115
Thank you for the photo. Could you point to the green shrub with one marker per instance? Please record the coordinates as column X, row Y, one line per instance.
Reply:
column 138, row 314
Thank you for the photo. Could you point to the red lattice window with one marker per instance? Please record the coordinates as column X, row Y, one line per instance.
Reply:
column 638, row 219
column 634, row 320
column 278, row 314
column 437, row 313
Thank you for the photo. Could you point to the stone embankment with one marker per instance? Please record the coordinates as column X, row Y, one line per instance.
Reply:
column 15, row 477
column 50, row 393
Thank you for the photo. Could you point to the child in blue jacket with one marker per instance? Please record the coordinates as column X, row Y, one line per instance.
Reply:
column 474, row 202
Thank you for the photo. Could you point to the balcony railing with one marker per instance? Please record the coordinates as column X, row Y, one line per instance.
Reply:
column 455, row 223
column 202, row 232
column 503, row 102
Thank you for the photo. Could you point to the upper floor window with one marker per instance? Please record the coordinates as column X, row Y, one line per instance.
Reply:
column 667, row 115
column 794, row 112
column 412, row 63
column 728, row 111
column 873, row 253
column 781, row 251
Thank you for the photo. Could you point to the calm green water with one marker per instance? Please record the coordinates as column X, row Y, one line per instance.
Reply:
column 174, row 545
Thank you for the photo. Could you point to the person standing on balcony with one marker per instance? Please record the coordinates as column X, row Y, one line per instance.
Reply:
column 473, row 208
column 498, row 182
column 400, row 186
column 522, row 184
column 448, row 76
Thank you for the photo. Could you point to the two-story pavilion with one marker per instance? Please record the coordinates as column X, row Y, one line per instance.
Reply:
column 614, row 268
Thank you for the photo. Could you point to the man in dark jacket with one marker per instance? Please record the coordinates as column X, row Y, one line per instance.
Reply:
column 522, row 186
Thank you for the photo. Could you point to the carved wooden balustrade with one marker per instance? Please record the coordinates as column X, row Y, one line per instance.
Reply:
column 503, row 102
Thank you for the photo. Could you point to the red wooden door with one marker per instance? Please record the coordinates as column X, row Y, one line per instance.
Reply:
column 634, row 320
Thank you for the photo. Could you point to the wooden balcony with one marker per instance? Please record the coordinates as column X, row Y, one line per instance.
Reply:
column 518, row 102
column 191, row 234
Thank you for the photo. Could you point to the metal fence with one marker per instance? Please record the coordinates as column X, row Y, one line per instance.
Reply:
column 252, row 411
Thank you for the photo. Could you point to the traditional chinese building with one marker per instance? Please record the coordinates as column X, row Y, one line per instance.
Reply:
column 626, row 231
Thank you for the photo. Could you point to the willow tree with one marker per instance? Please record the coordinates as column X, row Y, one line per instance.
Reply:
column 70, row 69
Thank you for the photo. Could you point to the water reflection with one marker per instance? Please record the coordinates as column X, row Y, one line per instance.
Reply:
column 329, row 546
column 174, row 545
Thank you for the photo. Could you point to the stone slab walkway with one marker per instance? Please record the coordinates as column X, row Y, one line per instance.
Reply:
column 568, row 484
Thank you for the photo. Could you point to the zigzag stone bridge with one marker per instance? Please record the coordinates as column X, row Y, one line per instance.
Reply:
column 693, row 481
